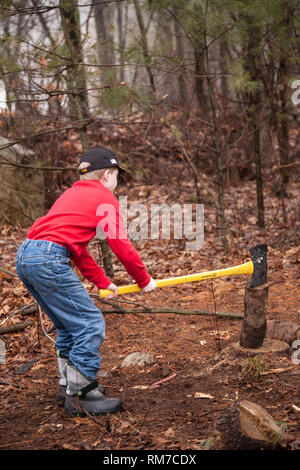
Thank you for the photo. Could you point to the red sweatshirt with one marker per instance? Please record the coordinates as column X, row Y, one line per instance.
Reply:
column 72, row 222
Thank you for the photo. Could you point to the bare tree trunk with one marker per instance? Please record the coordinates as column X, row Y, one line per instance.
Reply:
column 259, row 181
column 199, row 56
column 13, row 83
column 253, row 111
column 54, row 104
column 76, row 73
column 282, row 121
column 7, row 79
column 221, row 205
column 122, row 20
column 283, row 143
column 144, row 43
column 104, row 26
column 180, row 56
column 222, row 60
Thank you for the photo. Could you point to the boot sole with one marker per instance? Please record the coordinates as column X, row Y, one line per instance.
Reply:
column 75, row 409
column 83, row 414
column 62, row 394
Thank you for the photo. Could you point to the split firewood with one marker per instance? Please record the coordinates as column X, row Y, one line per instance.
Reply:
column 257, row 423
column 248, row 426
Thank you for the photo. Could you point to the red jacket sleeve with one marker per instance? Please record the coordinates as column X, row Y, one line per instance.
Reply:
column 112, row 225
column 131, row 260
column 90, row 269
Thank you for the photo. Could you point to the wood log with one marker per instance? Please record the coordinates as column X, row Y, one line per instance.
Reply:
column 254, row 323
column 15, row 328
column 283, row 331
column 31, row 310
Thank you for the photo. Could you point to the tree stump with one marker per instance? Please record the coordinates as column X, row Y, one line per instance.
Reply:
column 273, row 346
column 254, row 323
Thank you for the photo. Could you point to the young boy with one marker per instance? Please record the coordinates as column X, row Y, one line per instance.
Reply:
column 43, row 265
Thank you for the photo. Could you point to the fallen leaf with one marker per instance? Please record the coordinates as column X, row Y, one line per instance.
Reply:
column 69, row 447
column 170, row 432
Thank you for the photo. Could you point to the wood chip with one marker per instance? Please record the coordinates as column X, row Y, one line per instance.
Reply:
column 203, row 395
column 155, row 384
column 276, row 371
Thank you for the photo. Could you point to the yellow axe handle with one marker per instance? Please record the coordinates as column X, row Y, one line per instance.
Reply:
column 246, row 268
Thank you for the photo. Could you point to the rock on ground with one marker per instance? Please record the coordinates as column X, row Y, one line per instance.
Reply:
column 138, row 359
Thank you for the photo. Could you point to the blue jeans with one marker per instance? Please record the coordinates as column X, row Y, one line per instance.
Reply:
column 43, row 267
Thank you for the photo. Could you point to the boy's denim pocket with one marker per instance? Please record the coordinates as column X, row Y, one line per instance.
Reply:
column 39, row 275
column 63, row 272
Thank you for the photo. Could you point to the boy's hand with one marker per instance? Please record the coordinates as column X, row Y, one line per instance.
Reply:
column 114, row 288
column 150, row 287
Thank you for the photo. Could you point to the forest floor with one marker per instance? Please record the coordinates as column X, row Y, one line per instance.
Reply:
column 199, row 373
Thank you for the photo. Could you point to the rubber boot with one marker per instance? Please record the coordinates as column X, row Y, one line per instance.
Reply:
column 62, row 389
column 62, row 368
column 84, row 397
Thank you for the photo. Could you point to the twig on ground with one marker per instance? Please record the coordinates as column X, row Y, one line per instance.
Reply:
column 17, row 311
column 157, row 384
column 277, row 371
column 8, row 272
column 108, row 302
column 179, row 312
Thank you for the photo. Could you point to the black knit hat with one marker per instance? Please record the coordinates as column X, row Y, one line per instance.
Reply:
column 99, row 158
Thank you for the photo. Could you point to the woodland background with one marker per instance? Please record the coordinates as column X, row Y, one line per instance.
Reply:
column 200, row 101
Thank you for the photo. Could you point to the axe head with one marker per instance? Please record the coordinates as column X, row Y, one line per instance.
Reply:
column 259, row 258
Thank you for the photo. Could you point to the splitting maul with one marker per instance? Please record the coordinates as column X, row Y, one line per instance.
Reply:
column 257, row 267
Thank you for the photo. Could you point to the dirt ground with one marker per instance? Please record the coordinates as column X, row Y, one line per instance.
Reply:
column 199, row 373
